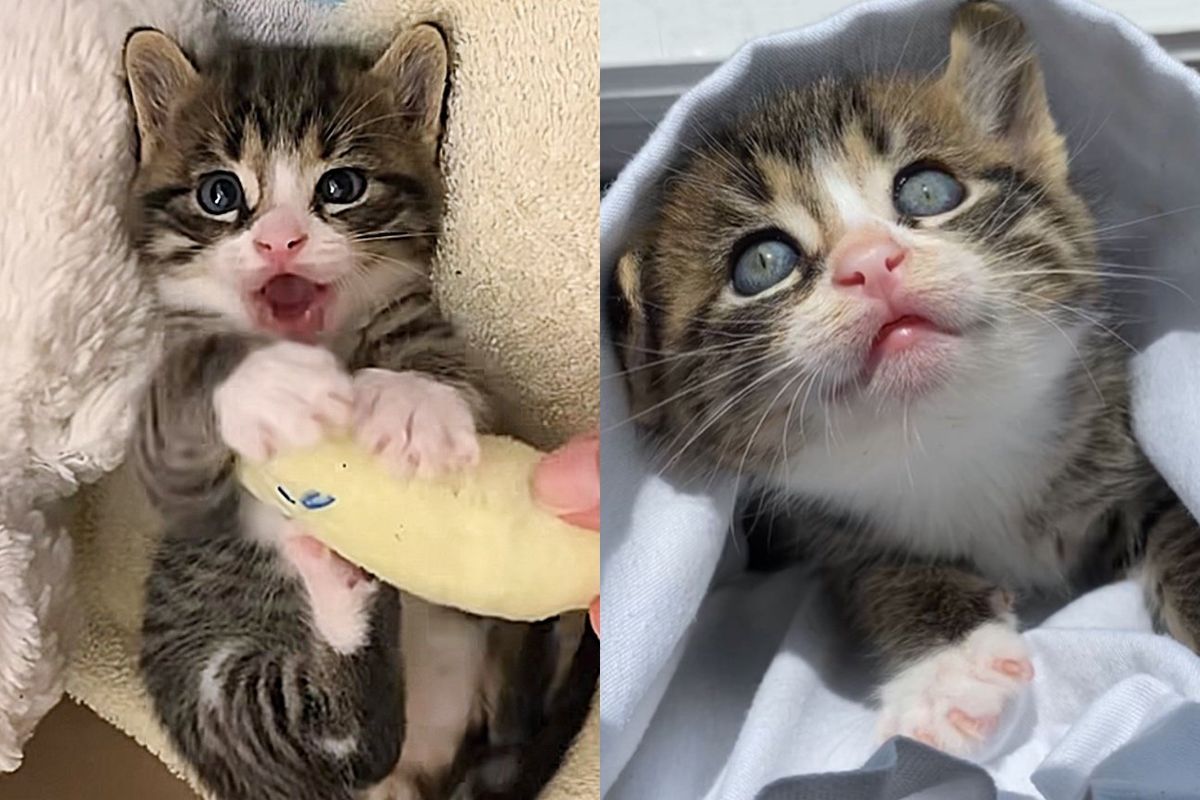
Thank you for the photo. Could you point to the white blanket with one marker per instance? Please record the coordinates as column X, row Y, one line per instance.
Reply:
column 718, row 683
column 76, row 329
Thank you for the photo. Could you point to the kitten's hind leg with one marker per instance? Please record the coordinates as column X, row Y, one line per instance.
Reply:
column 1172, row 574
column 949, row 642
column 272, row 722
column 339, row 593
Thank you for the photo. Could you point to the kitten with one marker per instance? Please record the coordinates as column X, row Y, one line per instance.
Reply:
column 286, row 207
column 878, row 299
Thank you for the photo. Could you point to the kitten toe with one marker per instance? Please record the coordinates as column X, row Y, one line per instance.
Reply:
column 1020, row 669
column 972, row 727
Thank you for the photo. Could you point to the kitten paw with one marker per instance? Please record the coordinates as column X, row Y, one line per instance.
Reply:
column 414, row 423
column 952, row 699
column 281, row 397
column 339, row 592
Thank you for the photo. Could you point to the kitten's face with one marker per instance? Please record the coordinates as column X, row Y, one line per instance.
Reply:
column 288, row 190
column 869, row 246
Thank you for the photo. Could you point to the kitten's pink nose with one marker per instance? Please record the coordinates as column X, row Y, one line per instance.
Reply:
column 868, row 260
column 279, row 236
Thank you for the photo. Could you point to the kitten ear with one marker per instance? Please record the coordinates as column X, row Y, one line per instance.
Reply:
column 416, row 65
column 995, row 73
column 627, row 313
column 158, row 72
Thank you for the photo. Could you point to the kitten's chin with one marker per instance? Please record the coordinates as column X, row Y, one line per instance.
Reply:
column 910, row 358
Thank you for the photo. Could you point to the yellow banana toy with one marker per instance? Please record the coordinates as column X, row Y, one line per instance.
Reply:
column 476, row 541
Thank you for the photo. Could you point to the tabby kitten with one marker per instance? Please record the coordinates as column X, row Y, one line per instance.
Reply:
column 286, row 207
column 878, row 299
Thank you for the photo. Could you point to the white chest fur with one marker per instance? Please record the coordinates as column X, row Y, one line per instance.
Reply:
column 954, row 475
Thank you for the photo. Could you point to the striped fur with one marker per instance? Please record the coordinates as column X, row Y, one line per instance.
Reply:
column 261, row 705
column 1018, row 472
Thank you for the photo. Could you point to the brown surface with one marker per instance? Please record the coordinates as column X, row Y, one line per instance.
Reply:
column 75, row 755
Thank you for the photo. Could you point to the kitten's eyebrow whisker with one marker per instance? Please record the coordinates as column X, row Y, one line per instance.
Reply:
column 1093, row 135
column 340, row 121
column 903, row 50
column 350, row 134
column 921, row 82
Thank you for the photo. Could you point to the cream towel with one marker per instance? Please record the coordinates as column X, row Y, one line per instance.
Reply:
column 517, row 272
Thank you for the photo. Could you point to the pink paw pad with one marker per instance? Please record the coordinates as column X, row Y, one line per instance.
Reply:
column 315, row 560
column 1017, row 668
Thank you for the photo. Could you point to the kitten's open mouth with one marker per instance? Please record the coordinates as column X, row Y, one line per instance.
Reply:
column 292, row 306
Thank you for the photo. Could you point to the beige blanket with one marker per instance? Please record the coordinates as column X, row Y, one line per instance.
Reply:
column 518, row 273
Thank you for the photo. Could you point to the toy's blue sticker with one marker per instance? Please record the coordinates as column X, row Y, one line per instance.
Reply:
column 283, row 493
column 313, row 500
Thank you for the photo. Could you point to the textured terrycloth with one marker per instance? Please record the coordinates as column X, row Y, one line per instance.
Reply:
column 75, row 329
column 516, row 271
column 717, row 683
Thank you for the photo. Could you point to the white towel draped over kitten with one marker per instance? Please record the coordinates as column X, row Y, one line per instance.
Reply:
column 780, row 698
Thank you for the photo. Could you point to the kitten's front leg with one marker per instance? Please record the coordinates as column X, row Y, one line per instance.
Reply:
column 414, row 422
column 287, row 395
column 1172, row 574
column 949, row 642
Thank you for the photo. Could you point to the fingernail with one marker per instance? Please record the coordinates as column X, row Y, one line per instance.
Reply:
column 568, row 480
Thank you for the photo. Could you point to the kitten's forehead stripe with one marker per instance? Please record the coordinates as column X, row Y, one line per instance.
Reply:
column 877, row 133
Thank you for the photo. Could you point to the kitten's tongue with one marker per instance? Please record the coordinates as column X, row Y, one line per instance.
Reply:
column 295, row 306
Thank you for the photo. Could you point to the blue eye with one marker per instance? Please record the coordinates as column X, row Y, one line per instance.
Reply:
column 925, row 191
column 340, row 186
column 219, row 193
column 313, row 500
column 762, row 264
